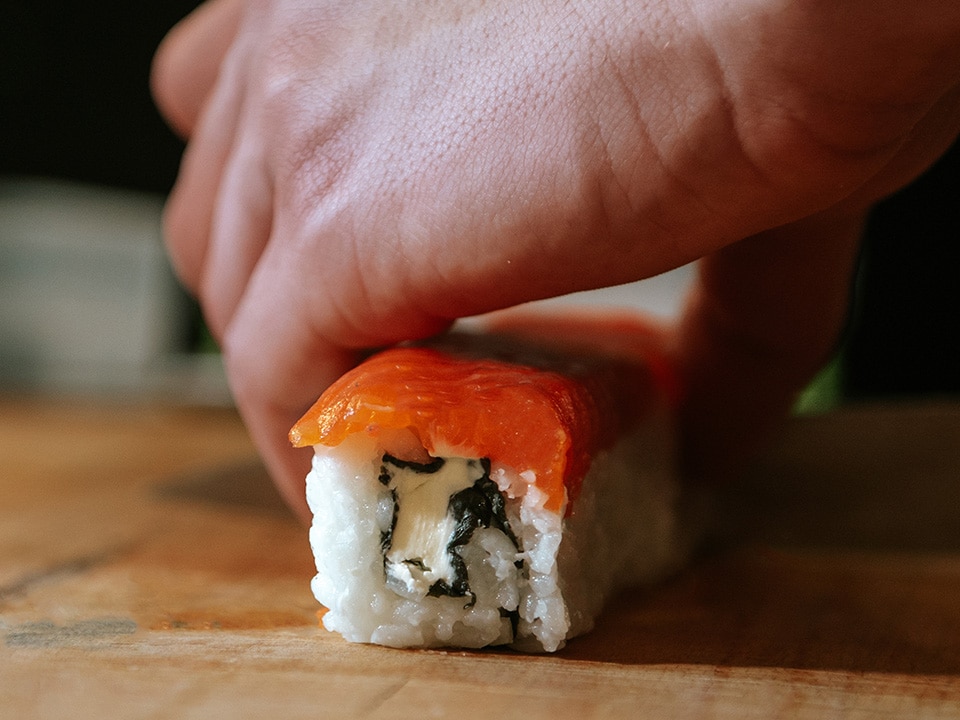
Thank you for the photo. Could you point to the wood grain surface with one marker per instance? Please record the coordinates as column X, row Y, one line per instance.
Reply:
column 149, row 570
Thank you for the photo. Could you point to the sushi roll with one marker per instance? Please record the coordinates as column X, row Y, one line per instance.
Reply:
column 493, row 488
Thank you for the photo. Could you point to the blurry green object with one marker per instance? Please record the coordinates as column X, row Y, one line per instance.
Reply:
column 825, row 391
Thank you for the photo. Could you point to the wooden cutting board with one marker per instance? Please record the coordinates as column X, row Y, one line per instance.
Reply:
column 148, row 570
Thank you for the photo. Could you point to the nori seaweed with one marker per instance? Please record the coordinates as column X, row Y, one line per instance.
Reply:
column 431, row 467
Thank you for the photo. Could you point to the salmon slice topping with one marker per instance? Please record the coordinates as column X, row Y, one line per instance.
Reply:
column 539, row 412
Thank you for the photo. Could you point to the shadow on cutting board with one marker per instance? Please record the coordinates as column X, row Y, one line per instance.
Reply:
column 840, row 551
column 243, row 485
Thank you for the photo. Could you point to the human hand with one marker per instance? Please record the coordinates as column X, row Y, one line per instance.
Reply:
column 367, row 172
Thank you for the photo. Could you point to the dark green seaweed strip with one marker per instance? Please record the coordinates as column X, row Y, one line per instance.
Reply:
column 480, row 505
column 430, row 467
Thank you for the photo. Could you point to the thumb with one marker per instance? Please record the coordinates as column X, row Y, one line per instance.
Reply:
column 762, row 317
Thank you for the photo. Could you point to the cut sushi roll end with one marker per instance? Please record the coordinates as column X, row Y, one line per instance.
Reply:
column 427, row 532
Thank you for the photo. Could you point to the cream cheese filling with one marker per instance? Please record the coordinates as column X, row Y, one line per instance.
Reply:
column 419, row 554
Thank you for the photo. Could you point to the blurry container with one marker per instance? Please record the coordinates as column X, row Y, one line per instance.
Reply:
column 88, row 302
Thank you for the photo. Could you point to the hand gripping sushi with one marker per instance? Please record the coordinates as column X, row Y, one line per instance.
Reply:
column 494, row 488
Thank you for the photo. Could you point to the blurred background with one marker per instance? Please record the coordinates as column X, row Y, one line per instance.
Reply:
column 88, row 303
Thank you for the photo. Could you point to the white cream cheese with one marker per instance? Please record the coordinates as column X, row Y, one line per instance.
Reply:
column 418, row 554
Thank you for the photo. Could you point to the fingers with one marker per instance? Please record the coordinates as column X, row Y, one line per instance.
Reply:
column 762, row 317
column 188, row 61
column 218, row 217
column 189, row 213
column 277, row 367
column 239, row 230
column 286, row 343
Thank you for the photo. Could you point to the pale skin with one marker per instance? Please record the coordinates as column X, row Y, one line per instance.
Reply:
column 360, row 173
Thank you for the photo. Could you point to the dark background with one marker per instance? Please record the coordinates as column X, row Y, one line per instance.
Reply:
column 74, row 95
column 75, row 104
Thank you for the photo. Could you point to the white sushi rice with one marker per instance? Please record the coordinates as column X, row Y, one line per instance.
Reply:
column 622, row 531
